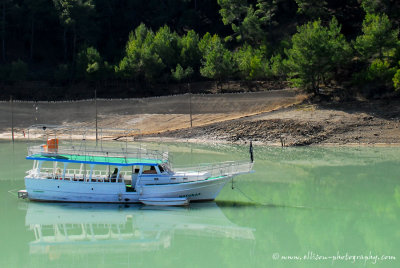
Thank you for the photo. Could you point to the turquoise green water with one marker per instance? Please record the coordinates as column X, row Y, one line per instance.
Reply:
column 317, row 204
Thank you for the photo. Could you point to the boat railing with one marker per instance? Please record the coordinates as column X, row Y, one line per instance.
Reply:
column 78, row 175
column 90, row 152
column 218, row 169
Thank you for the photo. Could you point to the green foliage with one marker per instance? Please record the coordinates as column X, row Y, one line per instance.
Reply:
column 89, row 64
column 249, row 23
column 190, row 54
column 278, row 67
column 377, row 47
column 165, row 45
column 180, row 74
column 378, row 40
column 266, row 11
column 140, row 62
column 232, row 10
column 217, row 61
column 377, row 78
column 312, row 8
column 250, row 29
column 54, row 29
column 73, row 12
column 204, row 43
column 251, row 63
column 380, row 71
column 396, row 80
column 77, row 16
column 18, row 71
column 148, row 55
column 316, row 53
column 374, row 6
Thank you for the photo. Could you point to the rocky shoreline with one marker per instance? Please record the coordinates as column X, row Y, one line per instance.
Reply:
column 352, row 123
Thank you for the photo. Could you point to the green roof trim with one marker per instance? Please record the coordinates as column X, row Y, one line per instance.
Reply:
column 95, row 160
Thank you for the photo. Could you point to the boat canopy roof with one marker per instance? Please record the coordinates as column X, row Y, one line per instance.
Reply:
column 90, row 146
column 95, row 160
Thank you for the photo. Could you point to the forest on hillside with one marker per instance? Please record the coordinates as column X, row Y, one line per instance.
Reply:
column 350, row 45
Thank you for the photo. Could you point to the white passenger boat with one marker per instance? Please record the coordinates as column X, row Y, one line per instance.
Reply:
column 72, row 171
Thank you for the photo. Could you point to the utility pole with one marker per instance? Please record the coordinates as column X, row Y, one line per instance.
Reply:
column 95, row 103
column 190, row 106
column 12, row 119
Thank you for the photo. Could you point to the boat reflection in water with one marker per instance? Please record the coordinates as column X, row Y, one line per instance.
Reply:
column 61, row 229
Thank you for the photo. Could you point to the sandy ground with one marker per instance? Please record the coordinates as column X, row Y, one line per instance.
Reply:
column 150, row 115
column 279, row 117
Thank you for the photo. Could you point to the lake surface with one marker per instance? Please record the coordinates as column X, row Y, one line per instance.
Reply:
column 303, row 207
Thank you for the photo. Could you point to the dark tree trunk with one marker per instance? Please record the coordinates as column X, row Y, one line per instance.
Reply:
column 74, row 45
column 3, row 35
column 32, row 36
column 65, row 44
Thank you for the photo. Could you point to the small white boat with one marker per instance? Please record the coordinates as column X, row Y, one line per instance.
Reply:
column 67, row 171
column 183, row 201
column 22, row 194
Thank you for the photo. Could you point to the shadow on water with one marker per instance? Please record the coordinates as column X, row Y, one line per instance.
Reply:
column 232, row 204
column 241, row 204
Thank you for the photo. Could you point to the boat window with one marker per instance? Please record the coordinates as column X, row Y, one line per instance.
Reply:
column 149, row 170
column 161, row 169
column 113, row 176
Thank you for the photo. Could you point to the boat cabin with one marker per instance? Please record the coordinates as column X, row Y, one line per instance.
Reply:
column 96, row 169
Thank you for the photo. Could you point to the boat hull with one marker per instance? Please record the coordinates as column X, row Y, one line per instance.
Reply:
column 202, row 190
column 75, row 191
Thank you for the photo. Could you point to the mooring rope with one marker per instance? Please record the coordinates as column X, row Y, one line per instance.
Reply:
column 245, row 195
column 13, row 193
column 266, row 204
